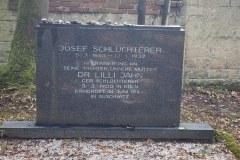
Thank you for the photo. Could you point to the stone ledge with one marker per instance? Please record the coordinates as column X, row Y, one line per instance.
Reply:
column 186, row 131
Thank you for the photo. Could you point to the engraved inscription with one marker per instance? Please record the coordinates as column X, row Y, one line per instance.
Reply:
column 109, row 72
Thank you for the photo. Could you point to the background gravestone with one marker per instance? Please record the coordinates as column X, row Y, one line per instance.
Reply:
column 109, row 75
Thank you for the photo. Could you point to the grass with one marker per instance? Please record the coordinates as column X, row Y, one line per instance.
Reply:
column 230, row 142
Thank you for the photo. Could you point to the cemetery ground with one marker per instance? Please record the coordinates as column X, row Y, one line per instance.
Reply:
column 216, row 106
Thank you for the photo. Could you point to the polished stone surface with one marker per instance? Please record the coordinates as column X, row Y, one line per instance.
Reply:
column 109, row 75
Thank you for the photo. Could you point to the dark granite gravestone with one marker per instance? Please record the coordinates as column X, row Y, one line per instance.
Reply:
column 106, row 81
column 109, row 75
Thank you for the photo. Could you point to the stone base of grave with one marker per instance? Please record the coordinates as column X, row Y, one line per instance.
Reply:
column 186, row 131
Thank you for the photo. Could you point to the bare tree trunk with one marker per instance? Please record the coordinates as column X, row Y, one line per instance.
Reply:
column 20, row 69
column 43, row 8
column 30, row 13
column 141, row 11
column 166, row 10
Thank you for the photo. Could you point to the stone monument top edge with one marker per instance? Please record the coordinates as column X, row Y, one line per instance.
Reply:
column 110, row 26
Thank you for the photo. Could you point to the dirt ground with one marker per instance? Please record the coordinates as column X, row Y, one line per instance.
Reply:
column 219, row 108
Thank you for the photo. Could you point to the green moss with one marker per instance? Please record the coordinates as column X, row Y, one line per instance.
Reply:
column 213, row 100
column 3, row 146
column 230, row 143
column 20, row 69
column 6, row 114
column 202, row 90
column 218, row 86
column 23, row 117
